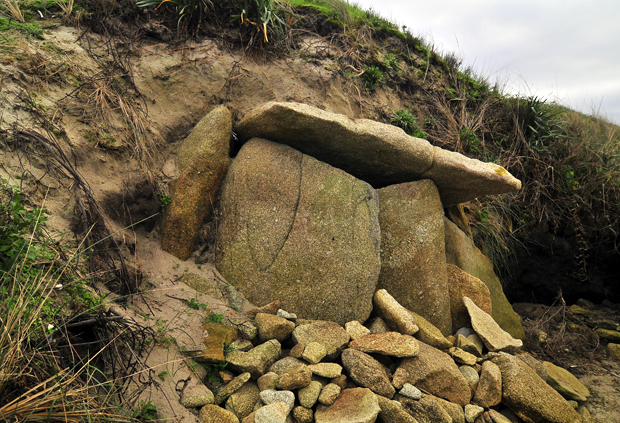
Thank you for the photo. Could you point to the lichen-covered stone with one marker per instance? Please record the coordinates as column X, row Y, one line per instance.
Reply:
column 257, row 360
column 394, row 314
column 413, row 263
column 565, row 383
column 296, row 229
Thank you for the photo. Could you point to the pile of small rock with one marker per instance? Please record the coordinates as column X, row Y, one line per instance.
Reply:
column 396, row 368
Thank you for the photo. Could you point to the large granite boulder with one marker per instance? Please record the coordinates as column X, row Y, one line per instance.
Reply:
column 299, row 230
column 377, row 153
column 413, row 263
column 530, row 397
column 202, row 162
column 461, row 251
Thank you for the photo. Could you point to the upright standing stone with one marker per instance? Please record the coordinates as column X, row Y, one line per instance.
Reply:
column 413, row 262
column 296, row 229
column 202, row 162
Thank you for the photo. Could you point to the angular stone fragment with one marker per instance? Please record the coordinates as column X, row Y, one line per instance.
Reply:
column 493, row 336
column 393, row 412
column 410, row 391
column 314, row 352
column 242, row 401
column 329, row 394
column 466, row 345
column 310, row 394
column 489, row 389
column 356, row 405
column 389, row 343
column 267, row 381
column 413, row 263
column 367, row 372
column 297, row 351
column 356, row 330
column 273, row 327
column 290, row 227
column 529, row 397
column 394, row 313
column 454, row 410
column 225, row 391
column 429, row 334
column 211, row 413
column 286, row 364
column 462, row 357
column 286, row 315
column 565, row 383
column 202, row 162
column 327, row 370
column 462, row 284
column 461, row 251
column 271, row 308
column 435, row 372
column 257, row 360
column 330, row 334
column 217, row 335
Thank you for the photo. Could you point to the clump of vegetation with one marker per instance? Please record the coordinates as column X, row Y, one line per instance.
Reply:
column 407, row 121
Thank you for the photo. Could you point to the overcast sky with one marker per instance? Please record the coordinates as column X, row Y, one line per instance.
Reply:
column 565, row 51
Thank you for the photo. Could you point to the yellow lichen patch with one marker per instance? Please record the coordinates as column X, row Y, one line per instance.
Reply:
column 501, row 171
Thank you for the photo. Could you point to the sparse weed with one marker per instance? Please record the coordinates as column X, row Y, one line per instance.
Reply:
column 373, row 78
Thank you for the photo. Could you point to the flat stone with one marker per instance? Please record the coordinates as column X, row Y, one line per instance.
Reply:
column 273, row 327
column 462, row 357
column 435, row 372
column 394, row 314
column 211, row 413
column 493, row 336
column 257, row 360
column 227, row 390
column 413, row 262
column 271, row 397
column 379, row 153
column 608, row 335
column 565, row 383
column 393, row 412
column 466, row 345
column 389, row 343
column 293, row 228
column 329, row 394
column 330, row 334
column 242, row 401
column 367, row 372
column 528, row 396
column 294, row 379
column 356, row 405
column 489, row 390
column 314, row 352
column 356, row 330
column 429, row 333
column 309, row 395
column 328, row 370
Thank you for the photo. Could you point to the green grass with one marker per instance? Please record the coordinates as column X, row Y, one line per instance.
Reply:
column 29, row 29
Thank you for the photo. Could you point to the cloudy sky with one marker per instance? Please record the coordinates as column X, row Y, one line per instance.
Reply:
column 565, row 51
